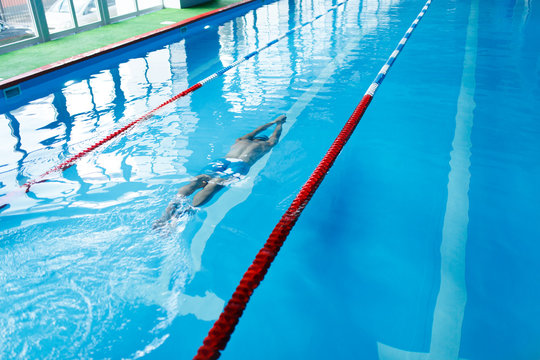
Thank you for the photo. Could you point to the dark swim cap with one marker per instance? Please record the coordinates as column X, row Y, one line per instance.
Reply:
column 262, row 138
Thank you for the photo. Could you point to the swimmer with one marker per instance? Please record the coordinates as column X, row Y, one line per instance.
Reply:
column 242, row 155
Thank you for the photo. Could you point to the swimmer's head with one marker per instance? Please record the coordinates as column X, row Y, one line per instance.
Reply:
column 261, row 138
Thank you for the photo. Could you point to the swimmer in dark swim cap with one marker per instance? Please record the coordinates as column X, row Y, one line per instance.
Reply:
column 236, row 164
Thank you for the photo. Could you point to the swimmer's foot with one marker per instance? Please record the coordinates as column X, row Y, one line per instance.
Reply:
column 176, row 210
column 158, row 224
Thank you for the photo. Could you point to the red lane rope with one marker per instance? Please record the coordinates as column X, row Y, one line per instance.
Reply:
column 220, row 333
column 69, row 162
column 4, row 201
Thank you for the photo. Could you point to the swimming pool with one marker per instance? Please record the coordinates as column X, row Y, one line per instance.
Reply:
column 422, row 239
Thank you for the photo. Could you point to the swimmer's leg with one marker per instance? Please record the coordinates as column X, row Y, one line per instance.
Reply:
column 195, row 183
column 175, row 207
column 213, row 186
column 178, row 207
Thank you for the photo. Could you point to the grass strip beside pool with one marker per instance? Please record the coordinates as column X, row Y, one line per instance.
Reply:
column 20, row 61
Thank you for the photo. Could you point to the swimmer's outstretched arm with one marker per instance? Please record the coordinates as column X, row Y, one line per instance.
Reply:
column 251, row 135
column 277, row 131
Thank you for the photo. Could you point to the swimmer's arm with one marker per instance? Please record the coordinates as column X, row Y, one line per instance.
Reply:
column 275, row 135
column 252, row 134
column 261, row 128
column 277, row 131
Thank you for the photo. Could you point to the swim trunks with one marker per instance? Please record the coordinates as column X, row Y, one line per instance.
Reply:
column 226, row 168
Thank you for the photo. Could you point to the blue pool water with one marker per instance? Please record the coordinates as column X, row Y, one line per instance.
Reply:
column 422, row 239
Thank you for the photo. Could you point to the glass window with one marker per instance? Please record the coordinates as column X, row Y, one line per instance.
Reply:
column 16, row 21
column 146, row 4
column 58, row 14
column 121, row 7
column 87, row 12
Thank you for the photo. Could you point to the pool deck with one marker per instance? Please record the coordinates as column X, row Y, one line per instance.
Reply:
column 35, row 60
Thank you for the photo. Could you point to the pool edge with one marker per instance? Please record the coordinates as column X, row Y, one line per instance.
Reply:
column 45, row 69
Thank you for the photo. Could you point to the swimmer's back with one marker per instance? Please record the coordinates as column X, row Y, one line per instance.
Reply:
column 248, row 151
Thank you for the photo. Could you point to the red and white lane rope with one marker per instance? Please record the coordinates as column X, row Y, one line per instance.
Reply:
column 223, row 328
column 6, row 199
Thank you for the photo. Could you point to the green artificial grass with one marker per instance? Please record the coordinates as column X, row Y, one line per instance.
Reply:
column 20, row 61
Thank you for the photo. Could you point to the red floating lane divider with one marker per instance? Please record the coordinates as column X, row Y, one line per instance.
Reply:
column 73, row 159
column 220, row 333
